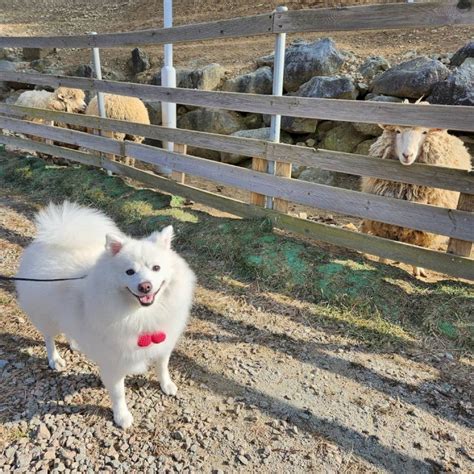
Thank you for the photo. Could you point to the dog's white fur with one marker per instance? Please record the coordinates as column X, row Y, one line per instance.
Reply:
column 99, row 314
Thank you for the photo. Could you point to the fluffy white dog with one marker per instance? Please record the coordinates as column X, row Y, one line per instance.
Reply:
column 130, row 309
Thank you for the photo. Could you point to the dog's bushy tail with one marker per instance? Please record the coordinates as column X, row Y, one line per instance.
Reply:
column 71, row 225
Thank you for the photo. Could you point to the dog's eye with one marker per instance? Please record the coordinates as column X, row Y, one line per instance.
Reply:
column 156, row 268
column 130, row 271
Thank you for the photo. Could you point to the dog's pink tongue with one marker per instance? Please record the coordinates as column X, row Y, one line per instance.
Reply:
column 147, row 298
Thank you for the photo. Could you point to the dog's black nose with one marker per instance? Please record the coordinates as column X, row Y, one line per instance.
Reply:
column 145, row 287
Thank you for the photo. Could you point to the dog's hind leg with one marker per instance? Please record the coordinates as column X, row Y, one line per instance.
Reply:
column 56, row 362
column 163, row 374
column 115, row 385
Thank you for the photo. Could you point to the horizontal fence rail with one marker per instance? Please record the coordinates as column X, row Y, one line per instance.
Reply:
column 376, row 17
column 453, row 223
column 431, row 259
column 437, row 13
column 433, row 116
column 360, row 165
column 233, row 28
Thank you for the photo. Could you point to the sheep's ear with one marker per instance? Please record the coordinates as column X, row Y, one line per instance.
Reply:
column 164, row 237
column 382, row 126
column 113, row 243
column 60, row 96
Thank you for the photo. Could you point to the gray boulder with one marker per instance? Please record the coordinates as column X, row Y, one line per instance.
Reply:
column 317, row 175
column 363, row 147
column 338, row 87
column 257, row 82
column 84, row 70
column 344, row 138
column 412, row 79
column 258, row 134
column 467, row 51
column 370, row 129
column 373, row 66
column 212, row 121
column 458, row 88
column 305, row 60
column 140, row 61
column 382, row 98
column 154, row 111
column 30, row 54
column 298, row 125
column 207, row 78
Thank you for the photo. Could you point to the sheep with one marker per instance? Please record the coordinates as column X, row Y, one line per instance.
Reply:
column 63, row 99
column 423, row 145
column 130, row 109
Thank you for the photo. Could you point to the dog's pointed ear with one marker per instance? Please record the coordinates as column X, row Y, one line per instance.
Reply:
column 113, row 243
column 164, row 236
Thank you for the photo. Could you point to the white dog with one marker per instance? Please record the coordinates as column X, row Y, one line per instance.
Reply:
column 128, row 312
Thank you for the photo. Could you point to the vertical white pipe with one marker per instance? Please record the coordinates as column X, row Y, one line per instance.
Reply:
column 278, row 70
column 100, row 95
column 168, row 79
column 98, row 75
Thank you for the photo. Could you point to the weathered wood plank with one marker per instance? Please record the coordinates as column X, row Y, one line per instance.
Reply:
column 283, row 170
column 463, row 247
column 176, row 175
column 232, row 28
column 435, row 176
column 453, row 223
column 438, row 261
column 375, row 17
column 435, row 116
column 258, row 164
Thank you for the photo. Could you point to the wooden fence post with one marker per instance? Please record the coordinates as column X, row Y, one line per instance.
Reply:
column 462, row 247
column 177, row 175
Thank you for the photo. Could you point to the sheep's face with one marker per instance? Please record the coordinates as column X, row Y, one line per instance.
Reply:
column 409, row 142
column 70, row 100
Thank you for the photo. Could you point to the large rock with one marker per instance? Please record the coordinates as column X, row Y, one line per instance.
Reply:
column 154, row 111
column 257, row 82
column 258, row 134
column 370, row 129
column 363, row 147
column 338, row 87
column 458, row 88
column 344, row 138
column 212, row 121
column 467, row 51
column 411, row 79
column 383, row 98
column 373, row 66
column 30, row 54
column 207, row 78
column 317, row 175
column 304, row 60
column 140, row 61
column 298, row 125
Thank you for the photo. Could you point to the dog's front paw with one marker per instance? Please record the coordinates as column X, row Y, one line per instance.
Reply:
column 169, row 388
column 57, row 363
column 123, row 418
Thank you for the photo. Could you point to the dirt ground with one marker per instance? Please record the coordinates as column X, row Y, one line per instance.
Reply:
column 267, row 381
column 47, row 17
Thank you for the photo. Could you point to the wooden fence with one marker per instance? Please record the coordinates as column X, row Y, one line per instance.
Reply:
column 458, row 224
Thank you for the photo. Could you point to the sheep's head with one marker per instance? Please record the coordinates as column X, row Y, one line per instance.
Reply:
column 69, row 100
column 407, row 142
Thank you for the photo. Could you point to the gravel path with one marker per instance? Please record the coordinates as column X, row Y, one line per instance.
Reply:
column 263, row 385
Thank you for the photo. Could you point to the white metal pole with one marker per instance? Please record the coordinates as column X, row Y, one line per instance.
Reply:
column 98, row 75
column 278, row 69
column 168, row 79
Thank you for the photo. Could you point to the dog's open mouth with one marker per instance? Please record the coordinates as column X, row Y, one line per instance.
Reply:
column 146, row 300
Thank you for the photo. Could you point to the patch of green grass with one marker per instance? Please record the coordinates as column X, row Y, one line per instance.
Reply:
column 373, row 302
